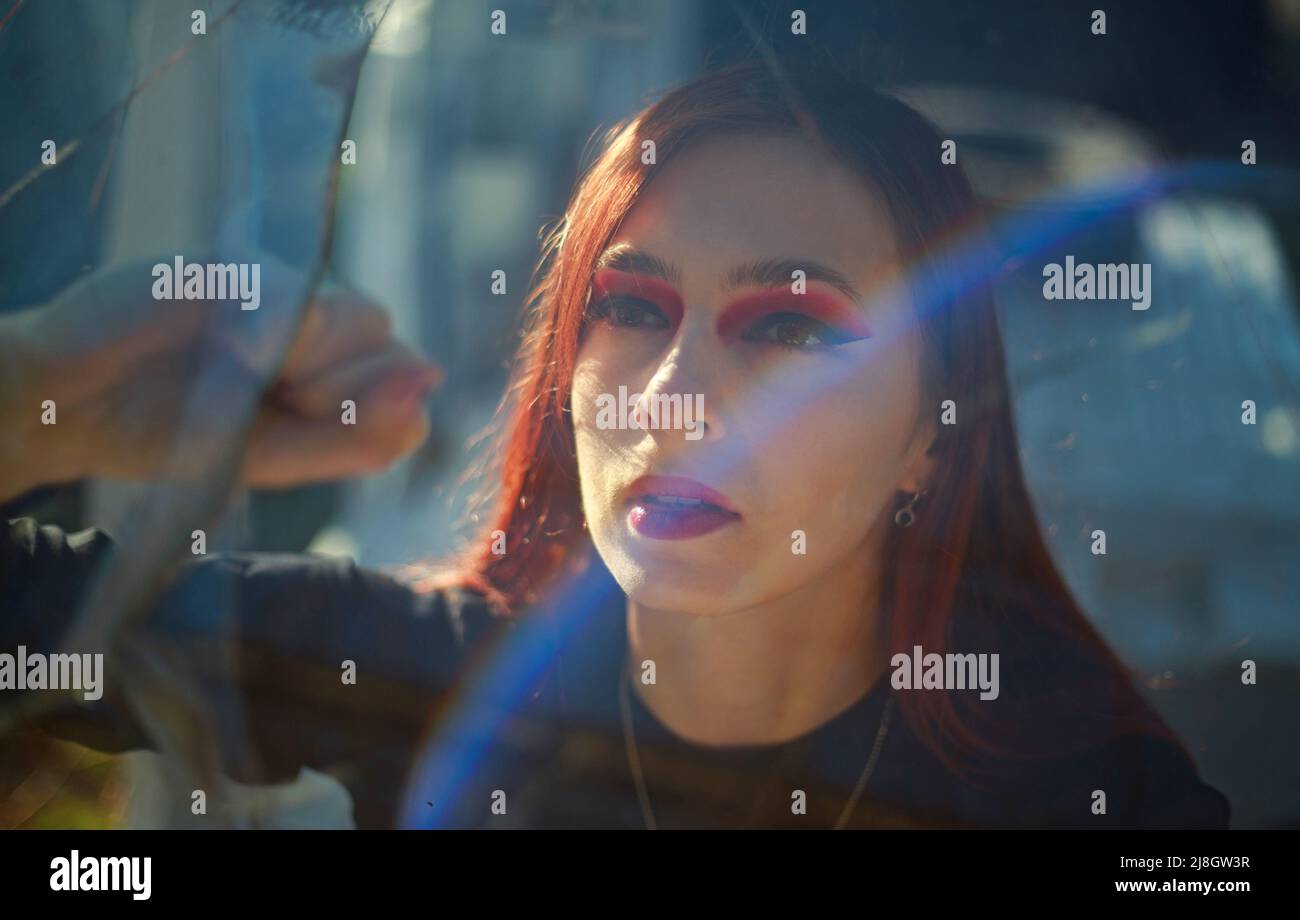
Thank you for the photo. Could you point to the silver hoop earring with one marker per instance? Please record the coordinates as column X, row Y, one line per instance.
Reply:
column 906, row 515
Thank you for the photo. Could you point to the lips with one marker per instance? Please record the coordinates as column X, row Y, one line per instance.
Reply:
column 675, row 508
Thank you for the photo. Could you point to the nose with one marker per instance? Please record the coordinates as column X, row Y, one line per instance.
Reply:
column 690, row 369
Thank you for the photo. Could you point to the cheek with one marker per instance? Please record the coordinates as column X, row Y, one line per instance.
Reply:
column 604, row 362
column 588, row 384
column 838, row 461
column 598, row 449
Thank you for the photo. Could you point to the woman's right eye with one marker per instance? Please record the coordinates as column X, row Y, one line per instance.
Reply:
column 629, row 312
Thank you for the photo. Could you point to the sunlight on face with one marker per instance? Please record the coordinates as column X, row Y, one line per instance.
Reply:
column 810, row 395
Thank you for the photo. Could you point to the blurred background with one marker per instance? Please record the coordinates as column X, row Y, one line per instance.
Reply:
column 1122, row 147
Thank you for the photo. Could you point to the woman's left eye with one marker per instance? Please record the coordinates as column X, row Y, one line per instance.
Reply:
column 796, row 331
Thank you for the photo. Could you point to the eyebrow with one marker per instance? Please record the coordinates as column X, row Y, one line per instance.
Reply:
column 761, row 272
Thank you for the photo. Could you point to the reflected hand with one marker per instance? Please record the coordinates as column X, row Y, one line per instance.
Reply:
column 118, row 370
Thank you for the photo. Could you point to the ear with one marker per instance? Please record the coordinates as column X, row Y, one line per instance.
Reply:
column 919, row 464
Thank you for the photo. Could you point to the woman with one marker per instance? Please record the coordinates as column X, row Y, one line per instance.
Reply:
column 799, row 583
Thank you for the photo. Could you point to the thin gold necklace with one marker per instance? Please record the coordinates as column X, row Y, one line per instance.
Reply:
column 634, row 756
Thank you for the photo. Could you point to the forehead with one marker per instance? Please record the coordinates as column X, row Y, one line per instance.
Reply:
column 744, row 197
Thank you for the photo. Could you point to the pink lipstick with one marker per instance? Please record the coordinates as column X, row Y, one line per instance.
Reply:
column 674, row 508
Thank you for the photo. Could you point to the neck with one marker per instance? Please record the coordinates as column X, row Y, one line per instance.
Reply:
column 768, row 673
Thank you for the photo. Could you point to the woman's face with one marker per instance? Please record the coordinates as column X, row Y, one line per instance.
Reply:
column 787, row 416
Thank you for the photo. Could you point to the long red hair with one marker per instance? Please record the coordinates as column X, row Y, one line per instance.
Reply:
column 973, row 572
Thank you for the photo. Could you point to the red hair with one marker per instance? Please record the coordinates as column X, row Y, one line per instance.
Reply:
column 973, row 572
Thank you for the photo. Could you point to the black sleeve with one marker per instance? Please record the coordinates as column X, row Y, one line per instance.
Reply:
column 302, row 660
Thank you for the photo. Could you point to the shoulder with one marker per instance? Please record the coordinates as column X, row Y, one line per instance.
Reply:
column 305, row 580
column 1092, row 750
column 1134, row 781
column 318, row 606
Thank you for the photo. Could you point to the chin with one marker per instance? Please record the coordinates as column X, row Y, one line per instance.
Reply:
column 676, row 576
column 684, row 599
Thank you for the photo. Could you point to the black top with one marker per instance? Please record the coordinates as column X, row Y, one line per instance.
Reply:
column 461, row 718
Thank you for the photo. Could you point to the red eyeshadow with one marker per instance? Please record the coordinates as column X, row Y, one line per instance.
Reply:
column 610, row 282
column 830, row 308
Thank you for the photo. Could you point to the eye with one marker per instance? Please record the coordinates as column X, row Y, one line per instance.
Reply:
column 628, row 312
column 797, row 331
